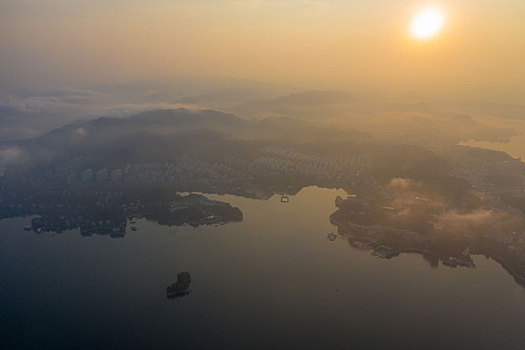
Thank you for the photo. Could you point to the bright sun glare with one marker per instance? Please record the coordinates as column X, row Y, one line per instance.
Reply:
column 427, row 23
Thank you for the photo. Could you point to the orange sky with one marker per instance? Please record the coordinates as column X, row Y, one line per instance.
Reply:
column 306, row 42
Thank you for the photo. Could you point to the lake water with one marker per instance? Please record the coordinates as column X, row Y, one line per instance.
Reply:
column 271, row 281
column 515, row 147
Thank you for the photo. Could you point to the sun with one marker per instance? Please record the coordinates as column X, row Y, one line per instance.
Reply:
column 427, row 23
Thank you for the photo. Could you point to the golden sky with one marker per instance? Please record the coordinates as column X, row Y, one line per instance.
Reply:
column 310, row 42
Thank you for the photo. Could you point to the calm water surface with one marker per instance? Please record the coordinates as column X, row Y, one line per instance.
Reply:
column 272, row 281
column 515, row 147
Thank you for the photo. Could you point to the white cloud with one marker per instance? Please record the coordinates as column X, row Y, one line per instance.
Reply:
column 11, row 155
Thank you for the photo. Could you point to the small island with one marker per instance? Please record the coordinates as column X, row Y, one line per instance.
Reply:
column 181, row 287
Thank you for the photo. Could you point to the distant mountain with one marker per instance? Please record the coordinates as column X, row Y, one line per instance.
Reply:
column 161, row 121
column 167, row 118
column 225, row 99
column 302, row 131
column 81, row 136
column 302, row 99
column 494, row 110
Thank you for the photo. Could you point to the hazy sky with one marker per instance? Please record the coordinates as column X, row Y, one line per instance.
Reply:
column 313, row 42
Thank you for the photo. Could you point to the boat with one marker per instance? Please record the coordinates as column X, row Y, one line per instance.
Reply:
column 331, row 236
column 451, row 261
column 360, row 245
column 383, row 252
column 285, row 199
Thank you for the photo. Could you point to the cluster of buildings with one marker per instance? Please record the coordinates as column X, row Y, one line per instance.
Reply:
column 288, row 161
column 101, row 175
column 489, row 176
column 231, row 170
column 183, row 170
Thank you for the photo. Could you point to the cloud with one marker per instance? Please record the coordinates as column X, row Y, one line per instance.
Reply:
column 43, row 100
column 11, row 155
column 404, row 184
column 413, row 205
column 454, row 222
column 81, row 131
column 127, row 109
column 26, row 113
